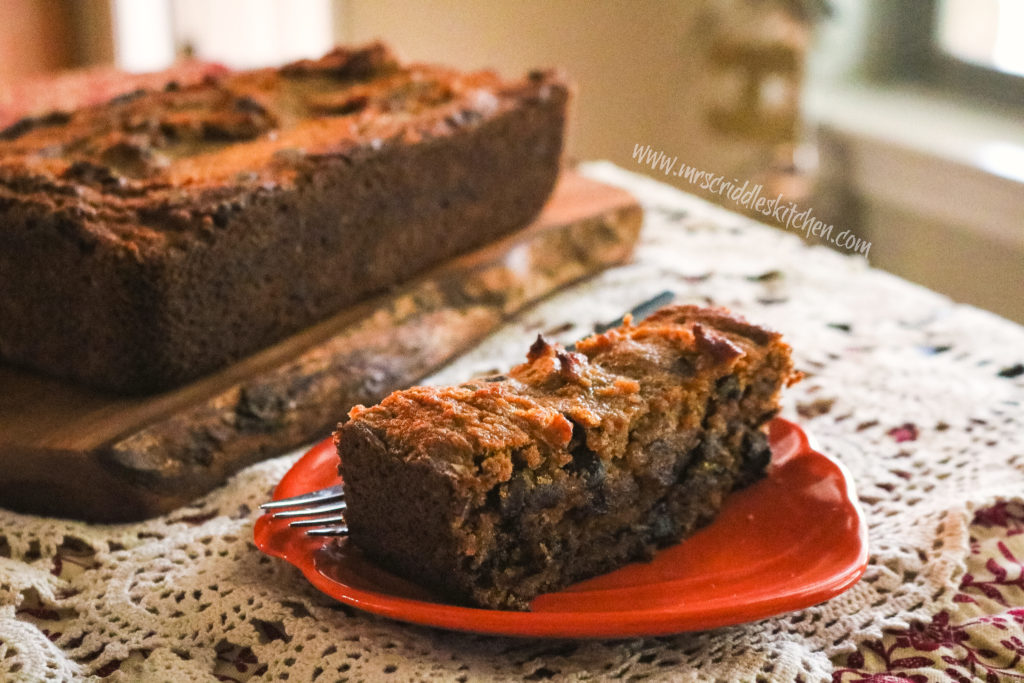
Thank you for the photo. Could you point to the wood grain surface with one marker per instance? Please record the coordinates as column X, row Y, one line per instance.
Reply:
column 69, row 451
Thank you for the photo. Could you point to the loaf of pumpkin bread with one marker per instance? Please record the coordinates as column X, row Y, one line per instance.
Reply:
column 161, row 235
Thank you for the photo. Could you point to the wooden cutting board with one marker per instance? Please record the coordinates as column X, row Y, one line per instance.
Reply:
column 69, row 451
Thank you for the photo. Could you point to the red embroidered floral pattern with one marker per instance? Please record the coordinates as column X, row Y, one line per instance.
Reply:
column 964, row 648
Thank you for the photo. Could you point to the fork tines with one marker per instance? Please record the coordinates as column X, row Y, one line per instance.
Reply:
column 321, row 496
column 340, row 530
column 305, row 508
column 337, row 506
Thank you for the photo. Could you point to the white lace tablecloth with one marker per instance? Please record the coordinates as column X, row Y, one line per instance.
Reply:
column 922, row 399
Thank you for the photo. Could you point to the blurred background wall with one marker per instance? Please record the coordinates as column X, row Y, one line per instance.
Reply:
column 847, row 108
column 645, row 71
column 42, row 36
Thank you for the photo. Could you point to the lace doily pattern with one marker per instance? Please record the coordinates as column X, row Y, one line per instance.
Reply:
column 920, row 398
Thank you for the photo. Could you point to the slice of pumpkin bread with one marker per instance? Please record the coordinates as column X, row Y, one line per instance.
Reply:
column 575, row 463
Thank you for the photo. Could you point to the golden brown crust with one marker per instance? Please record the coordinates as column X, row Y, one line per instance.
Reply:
column 598, row 387
column 139, row 167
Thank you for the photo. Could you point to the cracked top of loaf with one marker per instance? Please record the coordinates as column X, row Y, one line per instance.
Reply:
column 153, row 166
column 627, row 375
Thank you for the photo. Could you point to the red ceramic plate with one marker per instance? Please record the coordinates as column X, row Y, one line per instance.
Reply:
column 794, row 539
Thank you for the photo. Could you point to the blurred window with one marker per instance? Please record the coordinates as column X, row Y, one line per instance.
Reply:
column 150, row 34
column 977, row 48
column 986, row 33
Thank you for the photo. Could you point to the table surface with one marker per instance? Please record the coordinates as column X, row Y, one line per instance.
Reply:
column 920, row 398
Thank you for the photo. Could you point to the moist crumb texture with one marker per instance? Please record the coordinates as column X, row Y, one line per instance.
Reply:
column 163, row 234
column 573, row 464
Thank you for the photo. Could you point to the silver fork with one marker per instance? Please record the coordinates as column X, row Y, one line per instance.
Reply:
column 323, row 510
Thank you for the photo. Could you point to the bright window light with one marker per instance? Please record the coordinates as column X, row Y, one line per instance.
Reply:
column 143, row 34
column 242, row 34
column 989, row 33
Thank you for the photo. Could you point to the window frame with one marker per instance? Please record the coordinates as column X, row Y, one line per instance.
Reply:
column 908, row 50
